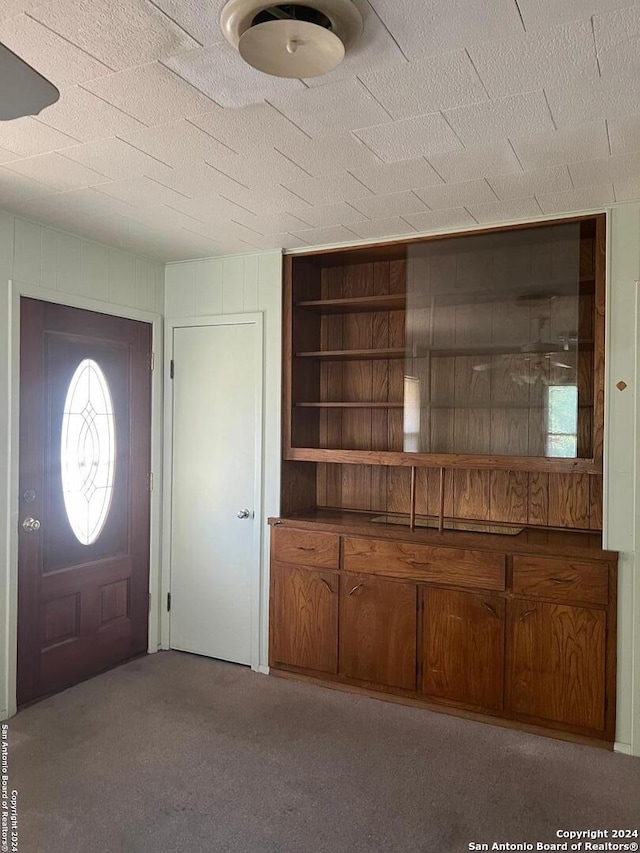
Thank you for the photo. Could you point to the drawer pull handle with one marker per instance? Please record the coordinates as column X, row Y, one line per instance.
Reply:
column 327, row 584
column 355, row 588
column 560, row 580
column 527, row 613
column 306, row 548
column 491, row 609
column 276, row 523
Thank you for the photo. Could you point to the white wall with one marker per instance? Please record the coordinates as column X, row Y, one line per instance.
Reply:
column 57, row 266
column 622, row 460
column 237, row 285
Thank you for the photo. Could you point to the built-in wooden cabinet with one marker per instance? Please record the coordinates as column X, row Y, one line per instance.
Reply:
column 463, row 647
column 441, row 494
column 378, row 630
column 304, row 617
column 557, row 662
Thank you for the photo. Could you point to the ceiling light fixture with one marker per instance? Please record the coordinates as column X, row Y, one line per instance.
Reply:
column 292, row 40
column 23, row 92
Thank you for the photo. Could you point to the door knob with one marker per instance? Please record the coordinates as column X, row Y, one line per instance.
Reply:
column 31, row 524
column 244, row 513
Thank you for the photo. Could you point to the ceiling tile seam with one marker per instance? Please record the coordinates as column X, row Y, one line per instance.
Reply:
column 535, row 198
column 166, row 15
column 485, row 180
column 108, row 103
column 243, row 225
column 473, row 65
column 546, row 100
column 230, row 177
column 515, row 154
column 406, row 222
column 606, row 126
column 159, row 183
column 595, row 44
column 293, row 162
column 517, row 4
column 290, row 120
column 391, row 35
column 355, row 209
column 50, row 127
column 466, row 209
column 452, row 129
column 136, row 148
column 182, row 213
column 206, row 132
column 370, row 93
column 359, row 181
column 68, row 41
column 354, row 133
column 182, row 79
column 237, row 204
column 566, row 166
column 426, row 159
column 107, row 179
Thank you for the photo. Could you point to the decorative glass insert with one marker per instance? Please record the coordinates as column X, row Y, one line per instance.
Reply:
column 87, row 452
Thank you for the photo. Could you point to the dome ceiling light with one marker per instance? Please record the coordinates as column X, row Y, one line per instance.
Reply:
column 292, row 39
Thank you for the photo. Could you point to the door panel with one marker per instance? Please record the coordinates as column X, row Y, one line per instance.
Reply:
column 378, row 630
column 82, row 602
column 463, row 640
column 304, row 624
column 216, row 429
column 557, row 662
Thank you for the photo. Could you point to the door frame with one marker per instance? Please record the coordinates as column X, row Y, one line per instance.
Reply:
column 9, row 575
column 257, row 599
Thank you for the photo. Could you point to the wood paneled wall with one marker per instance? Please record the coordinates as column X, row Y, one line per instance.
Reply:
column 521, row 497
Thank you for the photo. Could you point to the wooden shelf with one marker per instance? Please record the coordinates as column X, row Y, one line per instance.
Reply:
column 499, row 349
column 358, row 405
column 354, row 354
column 388, row 302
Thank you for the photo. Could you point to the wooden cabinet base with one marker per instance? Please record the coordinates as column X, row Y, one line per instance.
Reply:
column 413, row 701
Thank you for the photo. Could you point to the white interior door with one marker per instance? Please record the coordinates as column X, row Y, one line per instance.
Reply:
column 215, row 547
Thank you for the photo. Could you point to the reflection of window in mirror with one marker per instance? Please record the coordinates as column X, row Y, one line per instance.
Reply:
column 562, row 421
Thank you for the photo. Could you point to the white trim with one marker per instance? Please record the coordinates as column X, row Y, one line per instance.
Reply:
column 9, row 638
column 263, row 670
column 253, row 318
column 622, row 748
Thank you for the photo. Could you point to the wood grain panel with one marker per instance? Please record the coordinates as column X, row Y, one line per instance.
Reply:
column 595, row 502
column 538, row 498
column 569, row 500
column 463, row 647
column 378, row 629
column 304, row 618
column 472, row 494
column 509, row 496
column 305, row 548
column 451, row 566
column 556, row 662
column 562, row 580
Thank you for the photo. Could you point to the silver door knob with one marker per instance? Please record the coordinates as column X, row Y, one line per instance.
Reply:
column 244, row 513
column 31, row 524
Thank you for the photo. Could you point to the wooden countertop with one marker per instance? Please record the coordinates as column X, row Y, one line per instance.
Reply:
column 529, row 541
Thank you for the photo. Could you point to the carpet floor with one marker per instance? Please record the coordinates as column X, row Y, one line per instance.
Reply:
column 175, row 752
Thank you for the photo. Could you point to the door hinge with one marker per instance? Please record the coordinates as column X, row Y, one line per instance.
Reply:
column 168, row 602
column 171, row 369
column 152, row 360
column 150, row 479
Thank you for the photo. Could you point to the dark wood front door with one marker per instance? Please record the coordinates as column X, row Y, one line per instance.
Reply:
column 85, row 436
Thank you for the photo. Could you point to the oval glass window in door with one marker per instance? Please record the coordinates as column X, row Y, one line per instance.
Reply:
column 87, row 451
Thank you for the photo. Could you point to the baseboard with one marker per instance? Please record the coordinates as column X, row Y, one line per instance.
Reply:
column 263, row 670
column 623, row 748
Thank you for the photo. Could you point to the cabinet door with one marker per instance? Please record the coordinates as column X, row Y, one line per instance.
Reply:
column 463, row 647
column 304, row 618
column 378, row 621
column 557, row 662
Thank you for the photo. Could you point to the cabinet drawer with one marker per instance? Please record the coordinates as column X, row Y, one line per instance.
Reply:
column 306, row 548
column 451, row 566
column 561, row 580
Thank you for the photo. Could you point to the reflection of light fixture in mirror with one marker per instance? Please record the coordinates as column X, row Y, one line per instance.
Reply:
column 292, row 40
column 411, row 426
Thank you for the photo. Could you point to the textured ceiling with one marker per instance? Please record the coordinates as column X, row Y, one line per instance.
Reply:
column 446, row 113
